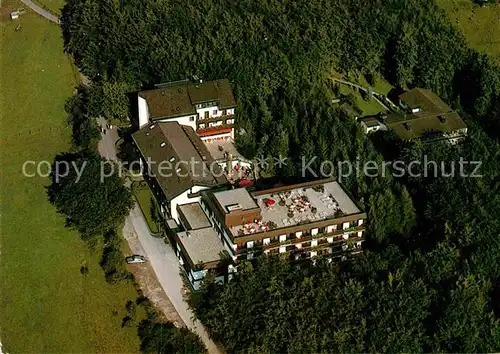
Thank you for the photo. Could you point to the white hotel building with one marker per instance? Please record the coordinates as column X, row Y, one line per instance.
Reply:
column 207, row 107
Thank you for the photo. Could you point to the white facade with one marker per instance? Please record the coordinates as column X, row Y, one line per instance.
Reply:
column 189, row 120
column 143, row 111
column 213, row 111
column 370, row 129
column 183, row 198
column 208, row 112
column 184, row 120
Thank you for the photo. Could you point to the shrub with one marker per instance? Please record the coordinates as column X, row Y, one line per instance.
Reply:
column 113, row 265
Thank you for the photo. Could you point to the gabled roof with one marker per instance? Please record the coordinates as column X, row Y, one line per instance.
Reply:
column 179, row 99
column 428, row 101
column 171, row 146
column 434, row 116
column 416, row 127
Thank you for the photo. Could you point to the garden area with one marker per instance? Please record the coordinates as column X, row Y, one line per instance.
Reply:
column 149, row 206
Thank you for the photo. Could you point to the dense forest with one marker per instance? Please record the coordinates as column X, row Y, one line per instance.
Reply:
column 430, row 276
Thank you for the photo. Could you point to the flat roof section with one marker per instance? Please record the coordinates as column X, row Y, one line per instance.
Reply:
column 298, row 206
column 194, row 215
column 201, row 245
column 235, row 199
column 226, row 145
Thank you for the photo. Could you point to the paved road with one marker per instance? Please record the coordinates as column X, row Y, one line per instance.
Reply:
column 161, row 256
column 48, row 15
column 106, row 145
column 166, row 266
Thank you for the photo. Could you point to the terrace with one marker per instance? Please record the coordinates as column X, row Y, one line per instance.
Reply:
column 298, row 206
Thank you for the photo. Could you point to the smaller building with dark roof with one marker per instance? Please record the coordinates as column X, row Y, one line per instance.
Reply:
column 422, row 115
column 427, row 117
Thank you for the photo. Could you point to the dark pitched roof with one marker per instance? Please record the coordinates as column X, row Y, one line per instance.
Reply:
column 180, row 99
column 170, row 142
column 415, row 127
column 435, row 116
column 428, row 101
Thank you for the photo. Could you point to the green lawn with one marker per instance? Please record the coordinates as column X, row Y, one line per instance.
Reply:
column 46, row 305
column 368, row 107
column 480, row 25
column 144, row 198
column 381, row 86
column 53, row 6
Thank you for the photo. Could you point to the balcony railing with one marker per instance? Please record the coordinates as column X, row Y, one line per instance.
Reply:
column 220, row 129
column 216, row 118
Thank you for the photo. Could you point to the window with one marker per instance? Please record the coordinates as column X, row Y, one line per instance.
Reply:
column 206, row 114
column 202, row 126
column 230, row 121
column 191, row 119
column 224, row 112
column 215, row 112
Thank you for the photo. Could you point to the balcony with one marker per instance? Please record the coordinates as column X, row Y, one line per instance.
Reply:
column 216, row 118
column 221, row 129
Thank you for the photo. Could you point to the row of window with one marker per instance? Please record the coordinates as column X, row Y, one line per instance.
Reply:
column 216, row 124
column 214, row 113
column 311, row 243
column 311, row 232
column 308, row 254
column 206, row 104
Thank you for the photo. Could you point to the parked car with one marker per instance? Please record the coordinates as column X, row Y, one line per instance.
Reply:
column 135, row 259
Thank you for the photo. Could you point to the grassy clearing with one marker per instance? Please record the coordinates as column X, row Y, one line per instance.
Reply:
column 145, row 199
column 480, row 25
column 46, row 304
column 53, row 6
column 368, row 107
column 381, row 86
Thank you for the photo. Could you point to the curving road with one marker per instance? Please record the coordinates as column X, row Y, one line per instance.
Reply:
column 41, row 11
column 161, row 256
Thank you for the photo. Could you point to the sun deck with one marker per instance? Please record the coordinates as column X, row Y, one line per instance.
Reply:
column 291, row 207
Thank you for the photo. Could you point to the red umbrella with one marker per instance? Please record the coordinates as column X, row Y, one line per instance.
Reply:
column 243, row 182
column 270, row 202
